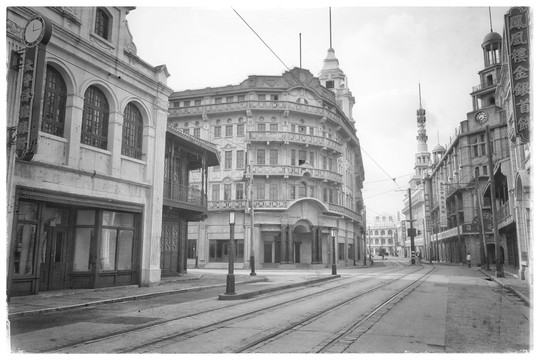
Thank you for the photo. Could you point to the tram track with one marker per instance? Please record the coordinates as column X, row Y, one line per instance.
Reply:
column 171, row 339
column 341, row 340
column 345, row 282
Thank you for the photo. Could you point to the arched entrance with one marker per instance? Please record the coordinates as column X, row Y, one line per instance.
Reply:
column 302, row 237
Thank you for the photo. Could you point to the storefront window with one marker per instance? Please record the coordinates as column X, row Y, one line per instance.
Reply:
column 125, row 246
column 24, row 252
column 23, row 260
column 116, row 243
column 108, row 249
column 81, row 256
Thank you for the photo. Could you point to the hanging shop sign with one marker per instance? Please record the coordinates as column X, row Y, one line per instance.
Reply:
column 442, row 205
column 37, row 33
column 517, row 36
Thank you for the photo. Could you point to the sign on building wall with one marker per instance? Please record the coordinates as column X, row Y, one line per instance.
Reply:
column 442, row 205
column 517, row 36
column 427, row 203
column 36, row 35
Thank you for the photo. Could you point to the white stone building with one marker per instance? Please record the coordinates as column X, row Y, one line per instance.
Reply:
column 291, row 169
column 87, row 122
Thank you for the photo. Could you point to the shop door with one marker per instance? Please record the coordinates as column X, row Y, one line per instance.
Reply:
column 170, row 233
column 53, row 258
column 267, row 252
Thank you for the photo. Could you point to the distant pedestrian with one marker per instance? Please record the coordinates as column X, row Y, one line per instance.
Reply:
column 469, row 259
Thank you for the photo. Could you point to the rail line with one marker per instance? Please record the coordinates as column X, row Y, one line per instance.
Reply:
column 345, row 282
column 344, row 336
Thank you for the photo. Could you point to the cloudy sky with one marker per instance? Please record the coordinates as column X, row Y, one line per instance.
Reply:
column 385, row 52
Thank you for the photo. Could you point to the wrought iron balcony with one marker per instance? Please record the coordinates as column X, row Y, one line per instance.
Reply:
column 184, row 196
column 264, row 105
column 290, row 170
column 304, row 139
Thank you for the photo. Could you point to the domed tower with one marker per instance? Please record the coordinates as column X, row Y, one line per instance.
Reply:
column 484, row 94
column 438, row 152
column 485, row 107
column 334, row 79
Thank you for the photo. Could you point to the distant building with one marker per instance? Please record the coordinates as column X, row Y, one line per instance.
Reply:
column 458, row 186
column 514, row 182
column 414, row 205
column 382, row 236
column 290, row 169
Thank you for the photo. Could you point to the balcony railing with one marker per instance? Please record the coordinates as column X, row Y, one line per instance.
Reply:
column 265, row 136
column 504, row 212
column 290, row 170
column 276, row 205
column 257, row 104
column 184, row 194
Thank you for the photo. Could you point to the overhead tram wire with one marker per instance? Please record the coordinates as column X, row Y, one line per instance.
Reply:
column 269, row 48
column 380, row 167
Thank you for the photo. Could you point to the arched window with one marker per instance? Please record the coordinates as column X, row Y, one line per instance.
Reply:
column 54, row 104
column 376, row 232
column 303, row 190
column 95, row 123
column 132, row 132
column 102, row 23
column 389, row 232
column 382, row 232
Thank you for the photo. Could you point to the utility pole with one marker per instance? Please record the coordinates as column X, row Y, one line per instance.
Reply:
column 499, row 265
column 412, row 230
column 479, row 204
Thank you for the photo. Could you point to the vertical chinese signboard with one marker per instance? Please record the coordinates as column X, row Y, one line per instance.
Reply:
column 442, row 205
column 517, row 36
column 37, row 33
column 427, row 203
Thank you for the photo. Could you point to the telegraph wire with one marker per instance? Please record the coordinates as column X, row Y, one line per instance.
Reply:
column 269, row 48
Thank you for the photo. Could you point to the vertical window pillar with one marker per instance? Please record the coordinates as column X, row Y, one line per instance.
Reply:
column 116, row 119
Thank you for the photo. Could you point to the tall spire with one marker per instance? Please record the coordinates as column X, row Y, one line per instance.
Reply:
column 420, row 95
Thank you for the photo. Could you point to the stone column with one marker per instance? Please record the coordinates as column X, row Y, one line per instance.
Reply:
column 290, row 249
column 283, row 243
column 313, row 244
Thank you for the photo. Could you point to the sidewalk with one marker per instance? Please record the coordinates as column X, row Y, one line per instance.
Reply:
column 194, row 280
column 510, row 281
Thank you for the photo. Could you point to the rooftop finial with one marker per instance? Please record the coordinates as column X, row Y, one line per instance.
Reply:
column 330, row 15
column 420, row 95
column 490, row 24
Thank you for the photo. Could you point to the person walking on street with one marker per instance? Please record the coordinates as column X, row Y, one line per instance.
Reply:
column 469, row 259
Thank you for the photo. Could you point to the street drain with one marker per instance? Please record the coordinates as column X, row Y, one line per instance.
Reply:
column 488, row 279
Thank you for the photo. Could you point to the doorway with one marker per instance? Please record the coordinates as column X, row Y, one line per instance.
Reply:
column 53, row 258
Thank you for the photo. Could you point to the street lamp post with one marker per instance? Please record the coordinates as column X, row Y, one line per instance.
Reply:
column 334, row 267
column 230, row 276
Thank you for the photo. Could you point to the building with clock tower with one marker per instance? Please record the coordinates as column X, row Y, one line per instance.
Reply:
column 459, row 186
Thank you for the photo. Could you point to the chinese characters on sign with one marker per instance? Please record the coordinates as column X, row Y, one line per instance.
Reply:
column 25, row 109
column 442, row 205
column 517, row 36
column 427, row 203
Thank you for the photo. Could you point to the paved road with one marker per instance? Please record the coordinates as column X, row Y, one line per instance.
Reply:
column 453, row 309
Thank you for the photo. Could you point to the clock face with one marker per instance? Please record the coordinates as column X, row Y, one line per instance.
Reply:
column 37, row 31
column 481, row 117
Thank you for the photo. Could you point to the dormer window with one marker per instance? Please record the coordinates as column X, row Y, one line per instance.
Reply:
column 102, row 25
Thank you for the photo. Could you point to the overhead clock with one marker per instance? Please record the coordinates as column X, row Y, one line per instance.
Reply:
column 481, row 117
column 37, row 31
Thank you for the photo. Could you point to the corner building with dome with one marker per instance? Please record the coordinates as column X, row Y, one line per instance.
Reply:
column 290, row 176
